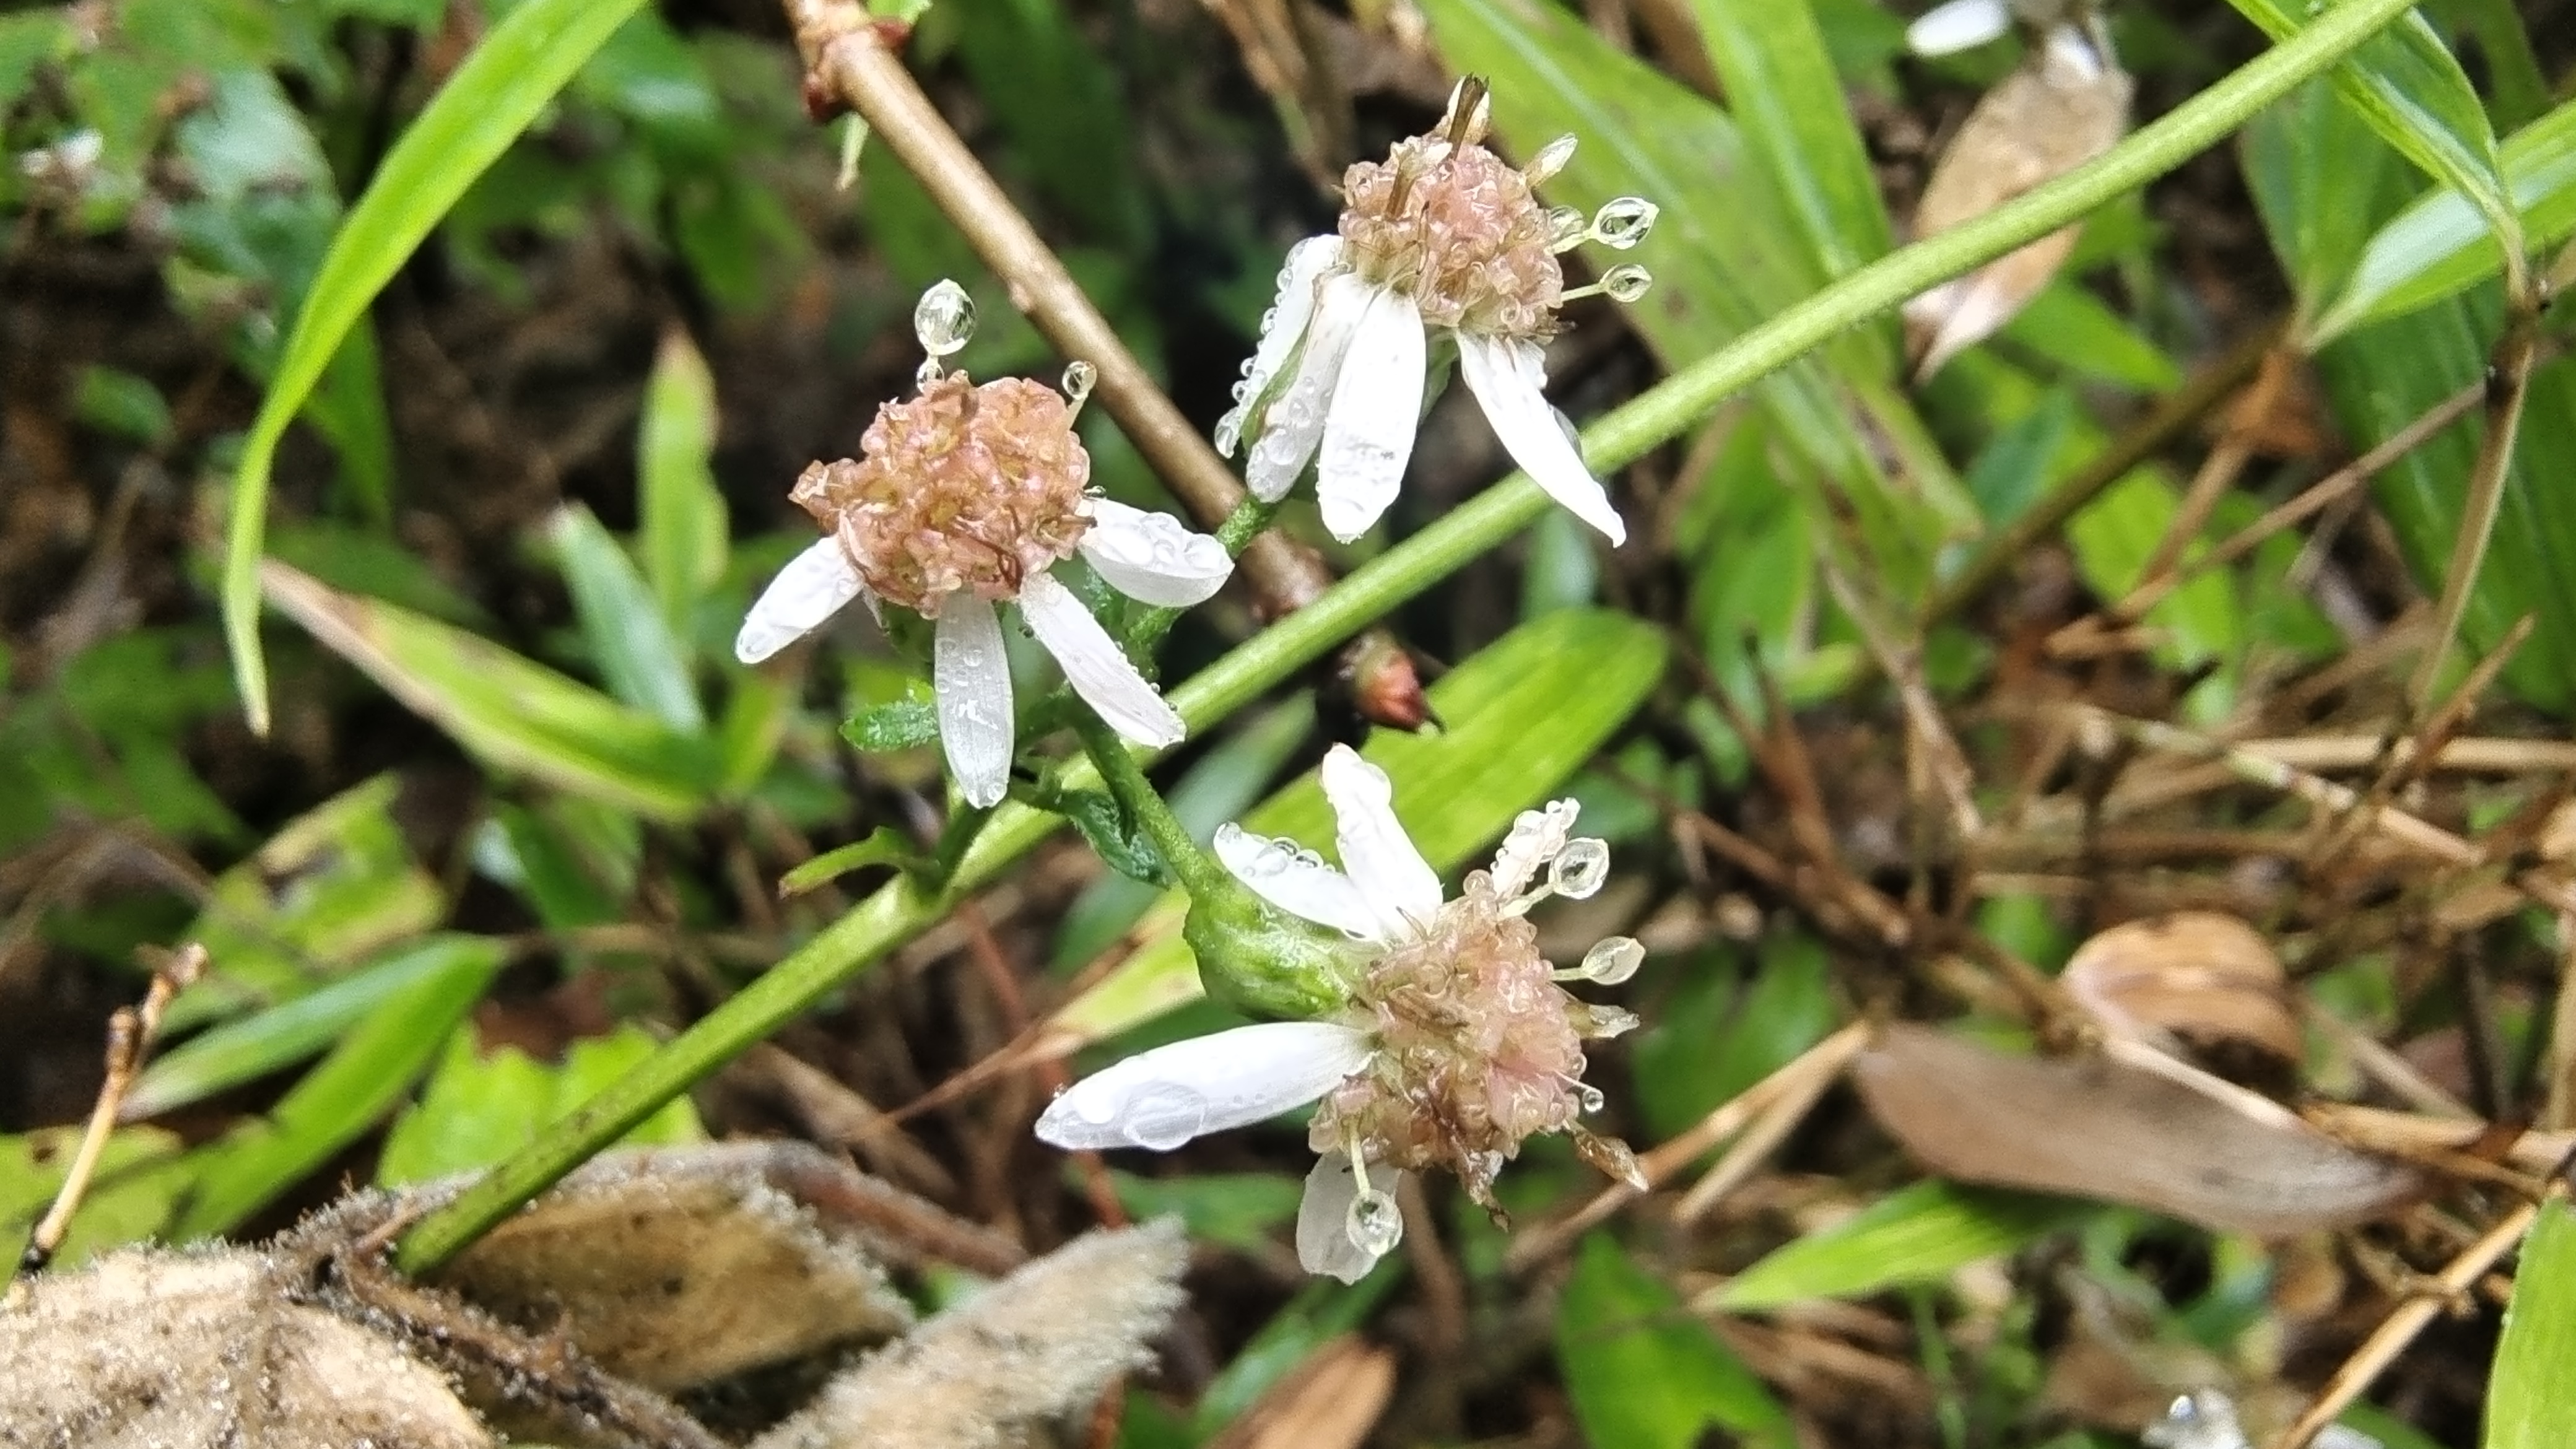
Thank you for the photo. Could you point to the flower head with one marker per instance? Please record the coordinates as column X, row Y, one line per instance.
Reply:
column 1441, row 236
column 1456, row 1044
column 963, row 498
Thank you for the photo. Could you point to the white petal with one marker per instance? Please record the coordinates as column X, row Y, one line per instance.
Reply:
column 1094, row 665
column 1508, row 377
column 815, row 585
column 1324, row 1243
column 1162, row 1098
column 1296, row 881
column 1295, row 424
column 1153, row 556
column 1282, row 328
column 1535, row 839
column 970, row 672
column 1957, row 26
column 1377, row 403
column 1399, row 885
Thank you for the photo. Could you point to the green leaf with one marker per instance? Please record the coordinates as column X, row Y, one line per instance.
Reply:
column 1322, row 1311
column 280, row 1036
column 1122, row 847
column 113, row 400
column 28, row 40
column 1229, row 1209
column 2318, row 175
column 132, row 1195
column 1730, row 1025
column 1920, row 1235
column 2532, row 1399
column 904, row 724
column 2406, row 83
column 1784, row 95
column 629, row 638
column 338, row 1101
column 682, row 515
column 884, row 846
column 478, row 1105
column 1642, row 1373
column 333, row 888
column 1581, row 671
column 2440, row 246
column 517, row 715
column 2071, row 327
column 487, row 101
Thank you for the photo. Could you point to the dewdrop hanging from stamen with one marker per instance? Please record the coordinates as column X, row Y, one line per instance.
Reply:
column 1442, row 236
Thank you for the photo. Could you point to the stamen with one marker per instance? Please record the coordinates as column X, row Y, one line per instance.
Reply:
column 1624, row 221
column 1551, row 159
column 1580, row 868
column 1470, row 108
column 1624, row 283
column 1566, row 228
column 1608, row 963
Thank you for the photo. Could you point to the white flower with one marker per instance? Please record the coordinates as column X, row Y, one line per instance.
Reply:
column 1442, row 238
column 964, row 498
column 1455, row 1045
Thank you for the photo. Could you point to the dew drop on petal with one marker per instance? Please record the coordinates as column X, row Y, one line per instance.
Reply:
column 944, row 319
column 1164, row 1115
column 1579, row 869
column 1626, row 283
column 1375, row 1223
column 1624, row 221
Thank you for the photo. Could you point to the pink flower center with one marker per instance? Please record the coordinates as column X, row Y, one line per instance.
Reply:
column 1457, row 229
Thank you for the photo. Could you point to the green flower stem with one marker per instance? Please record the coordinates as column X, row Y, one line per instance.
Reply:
column 896, row 914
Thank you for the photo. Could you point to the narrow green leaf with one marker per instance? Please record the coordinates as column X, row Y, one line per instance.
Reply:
column 884, row 846
column 630, row 641
column 2071, row 327
column 1921, row 1235
column 2532, row 1399
column 2409, row 86
column 2439, row 246
column 1582, row 671
column 274, row 1039
column 1642, row 1373
column 2318, row 174
column 1784, row 95
column 1106, row 828
column 486, row 103
column 682, row 515
column 338, row 1101
column 516, row 714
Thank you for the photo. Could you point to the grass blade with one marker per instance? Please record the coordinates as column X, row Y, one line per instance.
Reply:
column 2532, row 1399
column 1920, row 1235
column 1781, row 85
column 683, row 538
column 640, row 660
column 523, row 61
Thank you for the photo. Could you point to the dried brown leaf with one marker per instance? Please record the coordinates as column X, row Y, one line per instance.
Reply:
column 1038, row 1344
column 1332, row 1401
column 2203, row 976
column 2126, row 1124
column 204, row 1351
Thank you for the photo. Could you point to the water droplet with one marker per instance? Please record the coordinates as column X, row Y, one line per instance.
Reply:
column 1375, row 1223
column 1612, row 961
column 1589, row 1095
column 1600, row 1023
column 1624, row 221
column 1626, row 283
column 1580, row 868
column 1565, row 227
column 1551, row 159
column 1163, row 1115
column 944, row 319
column 1079, row 378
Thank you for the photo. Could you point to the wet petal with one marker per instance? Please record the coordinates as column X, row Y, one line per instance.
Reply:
column 1324, row 1242
column 1162, row 1098
column 1508, row 378
column 1957, row 26
column 1377, row 403
column 1095, row 666
column 1295, row 880
column 1399, row 885
column 1282, row 328
column 970, row 672
column 1153, row 557
column 815, row 585
column 1295, row 424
